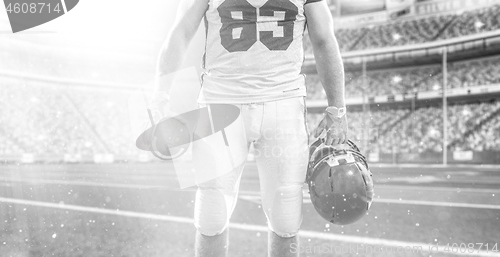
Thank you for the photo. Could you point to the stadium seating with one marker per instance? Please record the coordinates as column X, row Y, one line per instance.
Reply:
column 420, row 30
column 478, row 72
column 54, row 117
column 471, row 127
column 86, row 65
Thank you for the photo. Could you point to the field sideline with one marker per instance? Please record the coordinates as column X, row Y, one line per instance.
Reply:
column 139, row 207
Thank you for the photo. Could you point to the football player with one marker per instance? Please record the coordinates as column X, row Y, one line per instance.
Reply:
column 253, row 58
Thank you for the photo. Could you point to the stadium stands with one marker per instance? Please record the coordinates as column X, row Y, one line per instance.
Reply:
column 471, row 127
column 477, row 72
column 420, row 30
column 50, row 119
column 80, row 65
column 54, row 117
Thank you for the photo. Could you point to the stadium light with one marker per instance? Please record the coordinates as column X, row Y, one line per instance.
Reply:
column 396, row 79
column 478, row 24
column 433, row 132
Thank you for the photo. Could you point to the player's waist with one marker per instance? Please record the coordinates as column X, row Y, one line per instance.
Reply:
column 248, row 89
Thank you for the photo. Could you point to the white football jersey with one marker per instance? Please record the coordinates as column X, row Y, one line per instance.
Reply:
column 253, row 51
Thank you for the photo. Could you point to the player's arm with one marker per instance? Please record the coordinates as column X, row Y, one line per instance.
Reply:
column 330, row 70
column 173, row 51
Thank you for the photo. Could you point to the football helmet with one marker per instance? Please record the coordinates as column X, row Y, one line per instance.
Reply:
column 340, row 182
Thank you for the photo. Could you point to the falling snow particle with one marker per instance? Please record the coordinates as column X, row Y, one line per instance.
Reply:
column 258, row 234
column 327, row 225
column 417, row 224
column 54, row 235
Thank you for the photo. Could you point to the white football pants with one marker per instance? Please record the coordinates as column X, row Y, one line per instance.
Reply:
column 279, row 134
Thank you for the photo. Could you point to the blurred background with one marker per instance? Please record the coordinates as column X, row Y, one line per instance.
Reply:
column 422, row 88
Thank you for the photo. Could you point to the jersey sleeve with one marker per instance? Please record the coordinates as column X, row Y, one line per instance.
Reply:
column 312, row 1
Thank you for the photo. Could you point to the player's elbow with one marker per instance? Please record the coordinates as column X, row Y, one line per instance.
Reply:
column 324, row 43
column 179, row 36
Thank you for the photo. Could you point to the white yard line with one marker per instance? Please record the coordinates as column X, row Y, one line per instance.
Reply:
column 256, row 199
column 494, row 167
column 441, row 204
column 122, row 185
column 254, row 196
column 108, row 184
column 442, row 189
column 377, row 243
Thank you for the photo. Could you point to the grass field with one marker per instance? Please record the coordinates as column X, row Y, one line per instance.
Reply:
column 139, row 210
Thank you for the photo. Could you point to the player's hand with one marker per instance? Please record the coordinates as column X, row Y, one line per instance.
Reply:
column 336, row 129
column 159, row 105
